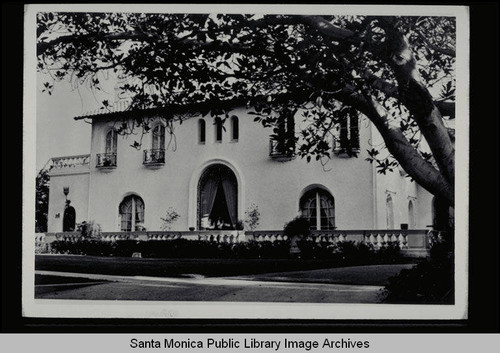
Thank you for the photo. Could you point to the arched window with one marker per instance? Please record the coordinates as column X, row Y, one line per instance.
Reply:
column 158, row 138
column 318, row 206
column 411, row 215
column 218, row 129
column 390, row 212
column 132, row 213
column 201, row 130
column 235, row 129
column 108, row 158
column 111, row 141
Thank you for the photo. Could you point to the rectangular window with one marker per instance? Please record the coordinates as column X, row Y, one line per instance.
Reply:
column 201, row 130
column 235, row 128
column 218, row 129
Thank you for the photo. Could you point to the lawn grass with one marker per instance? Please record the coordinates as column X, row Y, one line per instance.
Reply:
column 50, row 284
column 45, row 280
column 304, row 271
column 372, row 275
column 173, row 267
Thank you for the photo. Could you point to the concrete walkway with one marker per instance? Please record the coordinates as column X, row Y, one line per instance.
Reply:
column 198, row 288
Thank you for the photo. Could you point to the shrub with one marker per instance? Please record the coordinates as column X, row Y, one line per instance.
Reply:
column 246, row 250
column 429, row 282
column 352, row 253
column 343, row 253
column 90, row 229
column 310, row 249
column 64, row 247
column 178, row 248
column 299, row 226
column 279, row 249
column 389, row 253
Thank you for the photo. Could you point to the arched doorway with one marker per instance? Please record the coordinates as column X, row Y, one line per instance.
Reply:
column 69, row 217
column 217, row 198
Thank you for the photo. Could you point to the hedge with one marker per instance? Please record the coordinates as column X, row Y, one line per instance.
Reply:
column 345, row 253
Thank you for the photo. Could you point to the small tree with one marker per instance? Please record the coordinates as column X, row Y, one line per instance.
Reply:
column 252, row 216
column 171, row 216
column 42, row 201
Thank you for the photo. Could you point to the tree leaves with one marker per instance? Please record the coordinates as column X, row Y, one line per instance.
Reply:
column 268, row 64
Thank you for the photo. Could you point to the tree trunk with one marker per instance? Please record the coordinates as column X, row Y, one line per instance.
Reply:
column 419, row 102
column 398, row 145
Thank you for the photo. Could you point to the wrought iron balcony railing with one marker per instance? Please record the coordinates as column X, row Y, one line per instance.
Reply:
column 154, row 157
column 345, row 147
column 282, row 150
column 106, row 160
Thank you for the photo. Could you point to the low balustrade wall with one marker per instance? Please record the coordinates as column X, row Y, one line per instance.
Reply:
column 70, row 162
column 413, row 242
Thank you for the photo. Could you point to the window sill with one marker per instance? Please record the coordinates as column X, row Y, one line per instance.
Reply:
column 106, row 168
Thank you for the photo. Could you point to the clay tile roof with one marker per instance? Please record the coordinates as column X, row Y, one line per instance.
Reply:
column 117, row 107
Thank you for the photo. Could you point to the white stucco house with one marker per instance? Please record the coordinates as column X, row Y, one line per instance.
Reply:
column 211, row 175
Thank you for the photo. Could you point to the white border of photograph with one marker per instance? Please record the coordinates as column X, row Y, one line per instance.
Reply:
column 136, row 309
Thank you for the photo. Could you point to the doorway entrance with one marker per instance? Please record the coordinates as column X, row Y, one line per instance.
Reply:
column 217, row 198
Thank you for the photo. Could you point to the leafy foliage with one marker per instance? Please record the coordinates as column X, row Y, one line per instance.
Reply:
column 252, row 215
column 42, row 201
column 89, row 229
column 299, row 226
column 430, row 282
column 178, row 248
column 171, row 216
column 340, row 254
column 327, row 68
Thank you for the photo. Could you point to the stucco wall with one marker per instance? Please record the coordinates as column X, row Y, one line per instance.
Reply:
column 424, row 208
column 78, row 183
column 275, row 187
column 402, row 190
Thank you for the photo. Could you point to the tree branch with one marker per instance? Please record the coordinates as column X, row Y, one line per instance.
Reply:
column 398, row 145
column 42, row 47
column 419, row 102
column 328, row 29
column 444, row 51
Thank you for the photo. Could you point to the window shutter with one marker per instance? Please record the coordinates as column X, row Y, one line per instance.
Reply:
column 354, row 131
column 344, row 134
